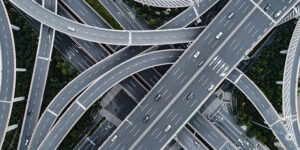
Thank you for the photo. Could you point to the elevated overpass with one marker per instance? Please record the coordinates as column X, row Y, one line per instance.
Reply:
column 220, row 54
column 290, row 86
column 107, row 36
column 39, row 78
column 99, row 87
column 8, row 71
column 46, row 120
column 264, row 107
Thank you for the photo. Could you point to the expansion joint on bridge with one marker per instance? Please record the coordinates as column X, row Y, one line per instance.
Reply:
column 81, row 105
column 44, row 58
column 3, row 101
column 271, row 125
column 53, row 113
column 130, row 38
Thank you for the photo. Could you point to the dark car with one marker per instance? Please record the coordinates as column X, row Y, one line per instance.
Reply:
column 29, row 112
column 190, row 95
column 146, row 118
column 157, row 97
column 201, row 63
column 267, row 7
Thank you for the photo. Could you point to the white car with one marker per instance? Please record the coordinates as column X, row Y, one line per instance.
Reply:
column 219, row 35
column 278, row 14
column 211, row 87
column 114, row 138
column 167, row 128
column 196, row 54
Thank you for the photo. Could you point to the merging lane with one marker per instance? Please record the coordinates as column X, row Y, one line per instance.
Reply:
column 8, row 71
column 99, row 87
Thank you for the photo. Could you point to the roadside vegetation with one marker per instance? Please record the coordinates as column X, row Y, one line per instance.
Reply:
column 98, row 7
column 265, row 71
column 153, row 16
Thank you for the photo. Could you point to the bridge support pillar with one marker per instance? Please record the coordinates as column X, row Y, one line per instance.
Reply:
column 279, row 82
column 15, row 27
column 18, row 99
column 12, row 127
column 283, row 51
column 21, row 69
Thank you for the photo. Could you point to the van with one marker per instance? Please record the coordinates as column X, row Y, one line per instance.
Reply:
column 219, row 35
column 71, row 28
column 230, row 15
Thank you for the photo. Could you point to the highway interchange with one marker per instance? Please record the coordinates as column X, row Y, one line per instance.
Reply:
column 8, row 71
column 212, row 57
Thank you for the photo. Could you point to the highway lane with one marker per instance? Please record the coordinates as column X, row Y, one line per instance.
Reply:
column 182, row 75
column 99, row 136
column 129, row 22
column 64, row 45
column 48, row 119
column 264, row 107
column 99, row 87
column 39, row 78
column 256, row 24
column 189, row 141
column 210, row 133
column 107, row 36
column 289, row 89
column 225, row 126
column 189, row 15
column 65, row 96
column 8, row 71
column 126, row 19
column 82, row 9
column 97, row 51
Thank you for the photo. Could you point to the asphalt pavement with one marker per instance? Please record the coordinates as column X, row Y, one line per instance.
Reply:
column 8, row 73
column 39, row 78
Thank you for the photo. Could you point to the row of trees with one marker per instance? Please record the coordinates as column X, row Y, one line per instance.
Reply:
column 265, row 71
